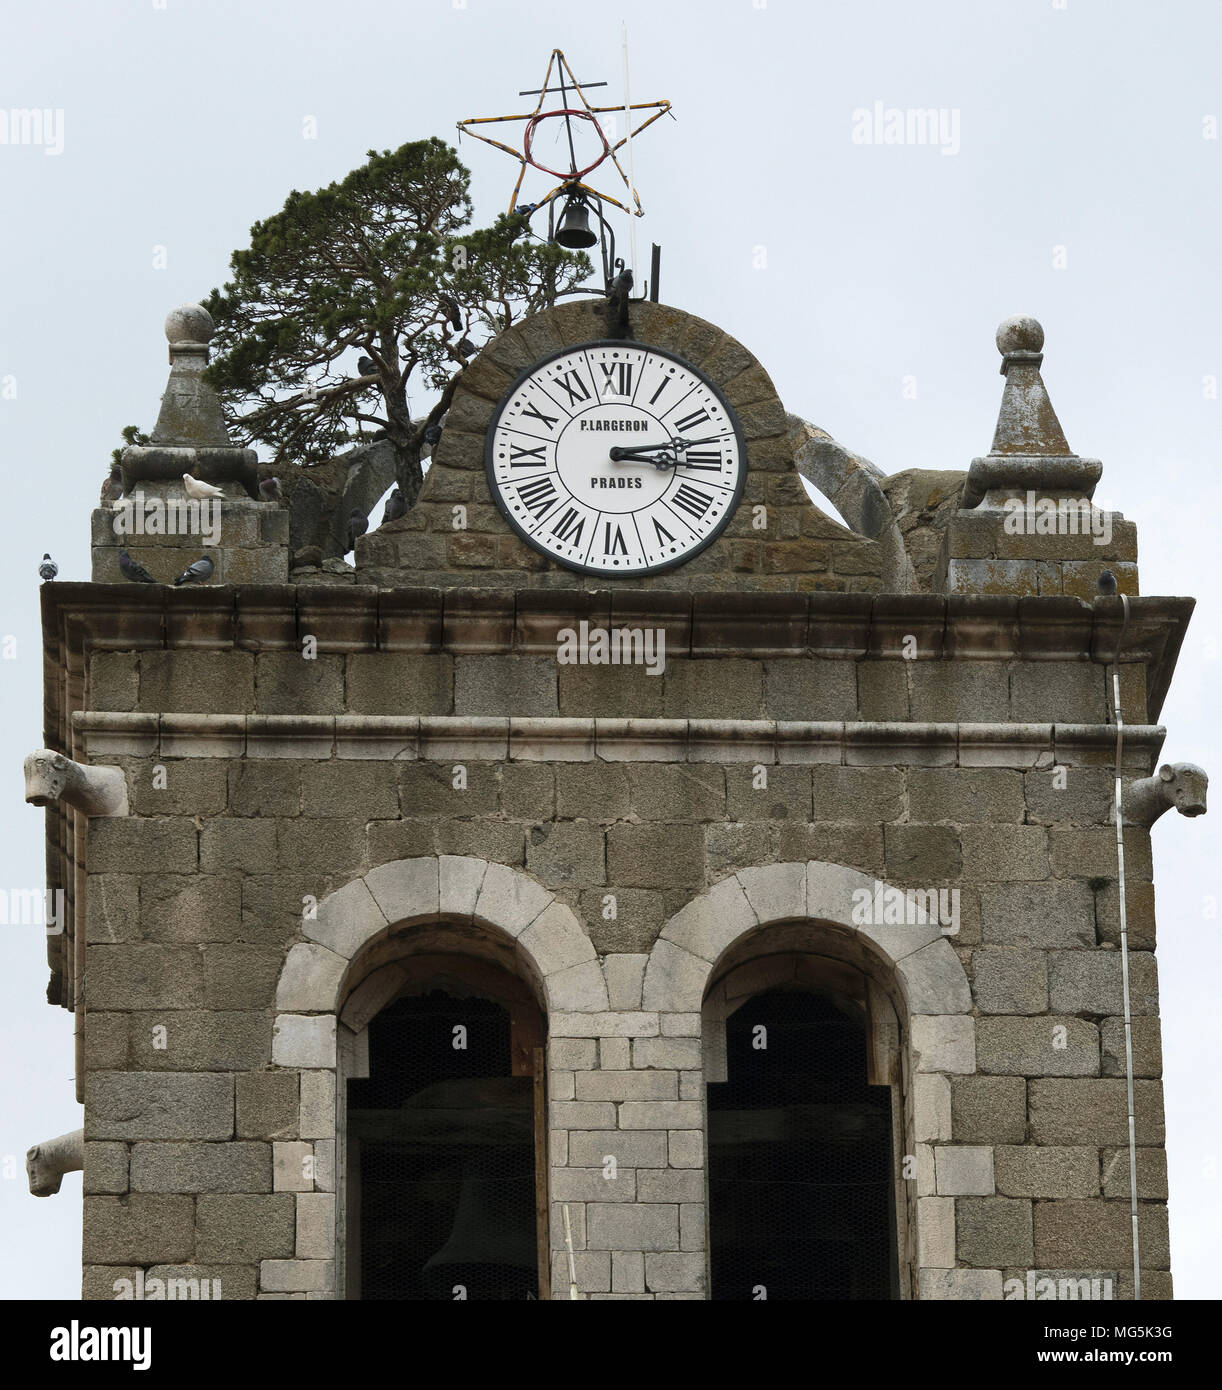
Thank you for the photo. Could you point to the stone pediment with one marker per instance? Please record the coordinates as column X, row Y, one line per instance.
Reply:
column 788, row 546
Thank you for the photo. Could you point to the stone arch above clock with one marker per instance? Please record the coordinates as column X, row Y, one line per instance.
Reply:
column 799, row 549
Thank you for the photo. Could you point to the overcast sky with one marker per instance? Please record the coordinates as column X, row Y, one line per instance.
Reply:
column 1076, row 182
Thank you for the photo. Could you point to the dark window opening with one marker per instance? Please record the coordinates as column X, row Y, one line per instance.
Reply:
column 801, row 1197
column 442, row 1147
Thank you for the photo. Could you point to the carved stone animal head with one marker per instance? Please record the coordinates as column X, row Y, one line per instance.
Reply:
column 1184, row 786
column 44, row 1177
column 46, row 776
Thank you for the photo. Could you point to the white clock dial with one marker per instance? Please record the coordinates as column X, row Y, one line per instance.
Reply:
column 616, row 458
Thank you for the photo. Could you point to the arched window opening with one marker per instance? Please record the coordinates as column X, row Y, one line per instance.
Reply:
column 802, row 1127
column 445, row 1174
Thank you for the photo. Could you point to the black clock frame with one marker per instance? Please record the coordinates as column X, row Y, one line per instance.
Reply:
column 527, row 373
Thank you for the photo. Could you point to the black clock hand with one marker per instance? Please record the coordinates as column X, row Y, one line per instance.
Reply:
column 619, row 452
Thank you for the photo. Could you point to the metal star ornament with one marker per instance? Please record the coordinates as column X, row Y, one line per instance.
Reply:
column 571, row 93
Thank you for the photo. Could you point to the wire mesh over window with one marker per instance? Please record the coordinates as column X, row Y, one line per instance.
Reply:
column 800, row 1167
column 441, row 1150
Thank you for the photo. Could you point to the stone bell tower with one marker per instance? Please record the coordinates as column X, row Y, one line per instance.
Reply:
column 570, row 896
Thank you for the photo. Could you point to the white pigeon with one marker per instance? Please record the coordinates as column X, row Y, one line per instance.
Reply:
column 200, row 491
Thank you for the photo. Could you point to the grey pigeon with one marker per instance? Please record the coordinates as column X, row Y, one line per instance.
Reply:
column 269, row 490
column 465, row 348
column 134, row 570
column 432, row 434
column 112, row 488
column 48, row 569
column 198, row 573
column 1107, row 584
column 396, row 506
column 366, row 366
column 358, row 524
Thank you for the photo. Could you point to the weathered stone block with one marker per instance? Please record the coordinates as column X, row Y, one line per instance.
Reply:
column 655, row 856
column 1069, row 795
column 687, row 792
column 505, row 685
column 567, row 852
column 922, row 853
column 1083, row 853
column 1151, row 1174
column 806, row 688
column 141, row 1228
column 1037, row 915
column 267, row 1104
column 993, row 1231
column 1010, row 982
column 1027, row 1170
column 143, row 975
column 237, row 976
column 1094, row 1111
column 199, row 1040
column 288, row 683
column 245, row 1227
column 106, row 1169
column 237, row 843
column 989, row 1109
column 158, row 1105
column 1099, row 1234
column 1069, row 692
column 201, row 1168
column 628, row 1226
column 130, row 844
column 1090, row 982
column 398, row 682
column 637, row 1149
column 1004, row 852
column 964, row 1171
column 670, row 1272
column 718, row 688
column 1046, row 1046
column 264, row 787
column 180, row 682
column 361, row 790
column 944, row 1043
column 964, row 796
column 1147, row 1047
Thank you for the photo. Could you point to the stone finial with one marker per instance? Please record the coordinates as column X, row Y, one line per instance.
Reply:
column 1026, row 423
column 189, row 328
column 1029, row 450
column 50, row 778
column 190, row 410
column 46, row 1163
column 1182, row 785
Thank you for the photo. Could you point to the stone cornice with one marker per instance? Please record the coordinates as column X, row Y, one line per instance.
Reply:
column 79, row 618
column 102, row 735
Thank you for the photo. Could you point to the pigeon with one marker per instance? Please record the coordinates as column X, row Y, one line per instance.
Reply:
column 432, row 434
column 112, row 488
column 1107, row 584
column 465, row 347
column 49, row 569
column 198, row 573
column 134, row 570
column 200, row 491
column 366, row 366
column 396, row 506
column 269, row 490
column 358, row 524
column 452, row 310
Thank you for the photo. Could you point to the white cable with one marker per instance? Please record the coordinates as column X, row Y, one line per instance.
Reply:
column 1124, row 956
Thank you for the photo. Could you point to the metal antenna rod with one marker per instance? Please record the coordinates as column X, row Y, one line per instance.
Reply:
column 631, row 172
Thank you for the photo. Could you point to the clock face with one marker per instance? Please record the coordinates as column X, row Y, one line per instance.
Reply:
column 615, row 458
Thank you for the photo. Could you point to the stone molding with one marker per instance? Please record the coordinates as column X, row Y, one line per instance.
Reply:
column 495, row 739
